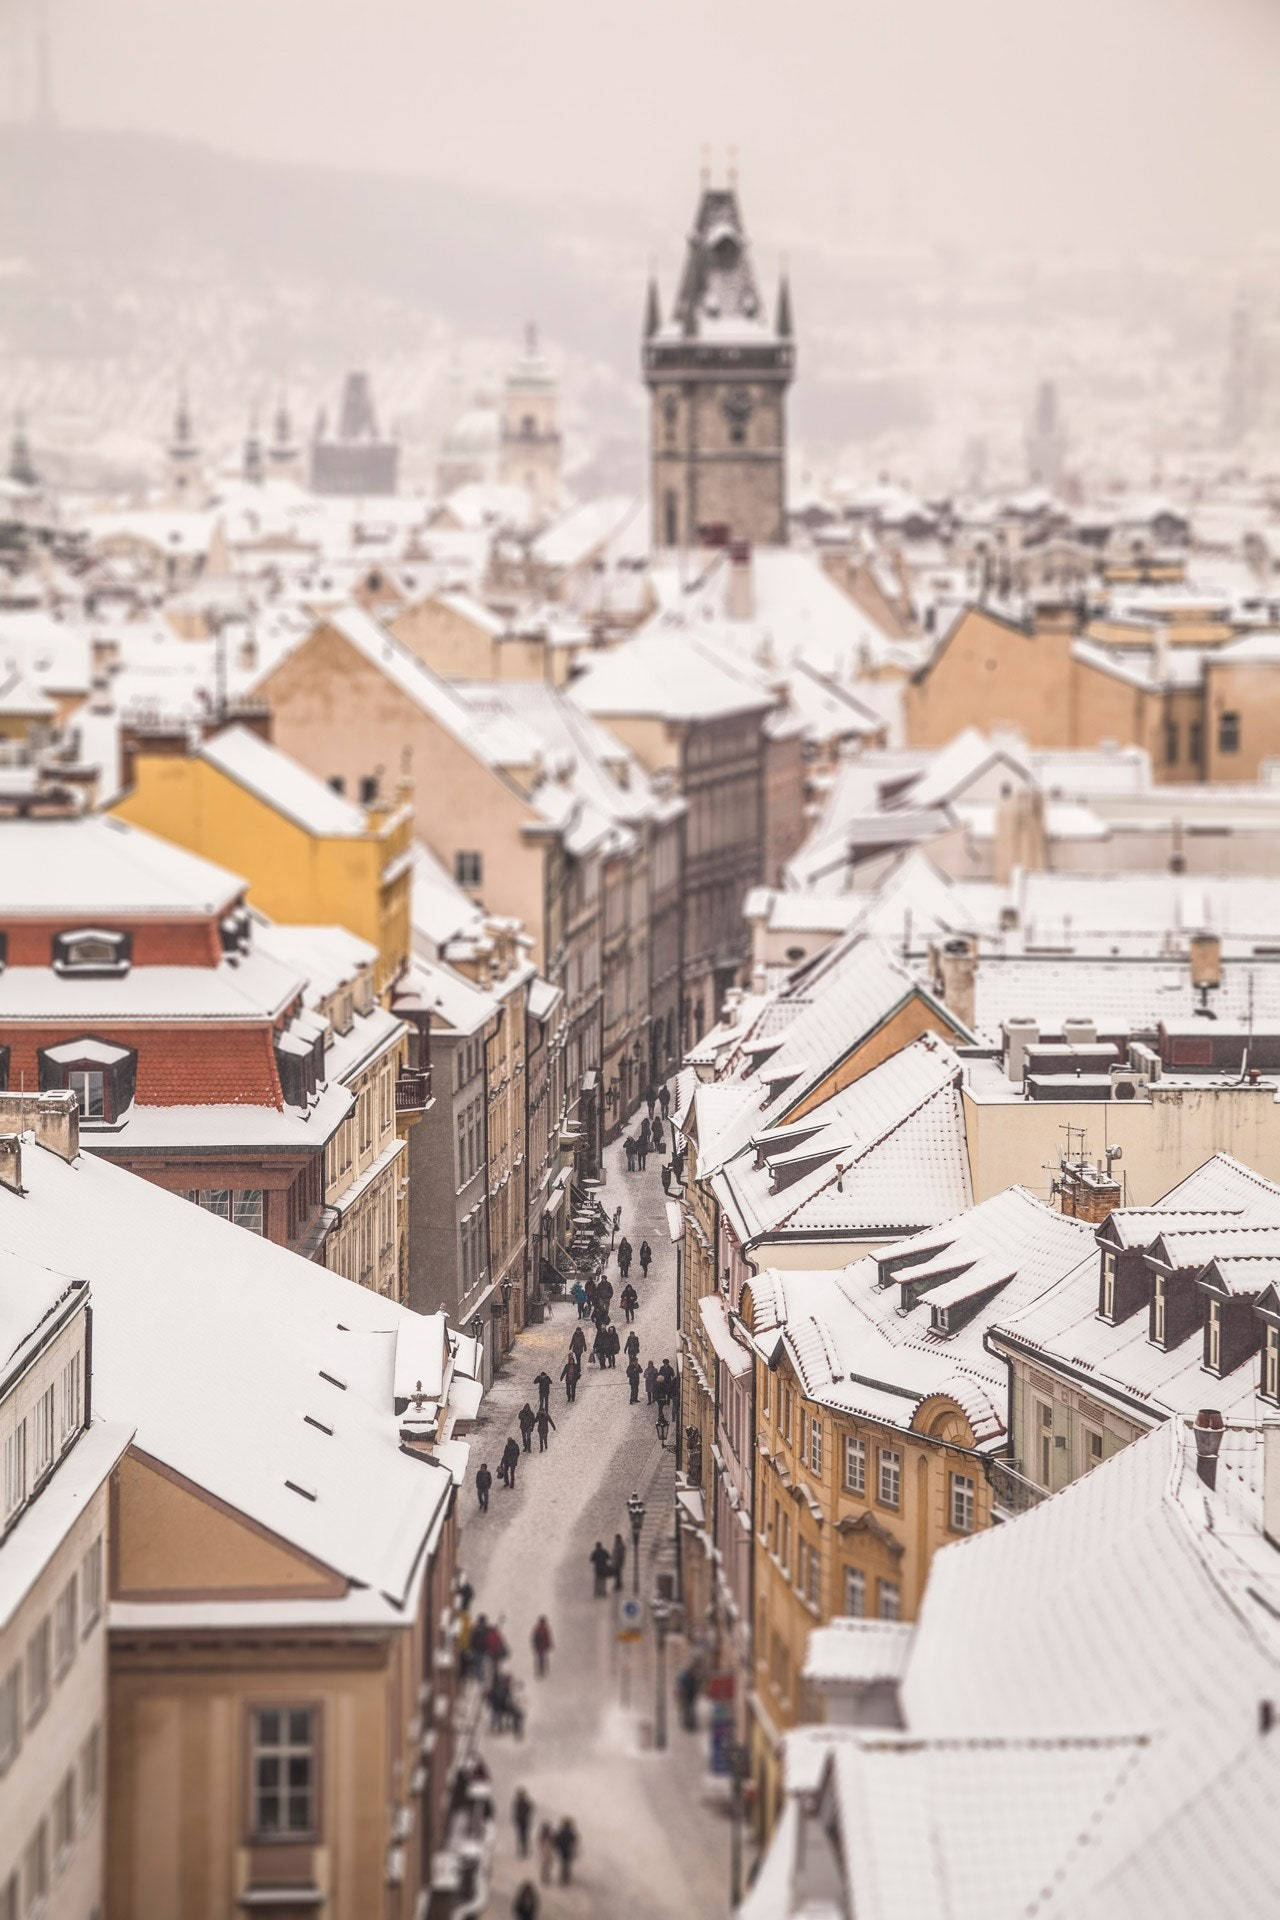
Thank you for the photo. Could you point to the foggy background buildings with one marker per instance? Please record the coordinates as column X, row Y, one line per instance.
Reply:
column 972, row 201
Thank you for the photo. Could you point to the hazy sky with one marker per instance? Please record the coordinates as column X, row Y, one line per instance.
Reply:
column 983, row 118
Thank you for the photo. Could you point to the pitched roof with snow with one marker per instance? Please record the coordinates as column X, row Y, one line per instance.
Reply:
column 101, row 869
column 290, row 789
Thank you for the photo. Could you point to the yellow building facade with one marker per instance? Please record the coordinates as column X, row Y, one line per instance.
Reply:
column 311, row 855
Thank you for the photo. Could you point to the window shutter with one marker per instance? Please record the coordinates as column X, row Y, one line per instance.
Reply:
column 51, row 1074
column 121, row 1079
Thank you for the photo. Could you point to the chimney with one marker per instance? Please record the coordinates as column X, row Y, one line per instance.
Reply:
column 1206, row 961
column 1088, row 1193
column 740, row 597
column 58, row 1124
column 1271, row 1480
column 958, row 966
column 1018, row 1036
column 1207, row 1428
column 11, row 1162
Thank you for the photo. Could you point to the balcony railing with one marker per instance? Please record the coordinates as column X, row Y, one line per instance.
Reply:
column 413, row 1091
column 1011, row 1492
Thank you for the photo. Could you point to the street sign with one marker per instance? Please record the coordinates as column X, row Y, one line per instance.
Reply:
column 630, row 1619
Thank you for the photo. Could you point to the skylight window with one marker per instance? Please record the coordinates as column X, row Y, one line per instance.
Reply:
column 298, row 1486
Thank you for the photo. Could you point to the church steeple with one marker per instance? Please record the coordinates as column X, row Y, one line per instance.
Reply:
column 718, row 374
column 184, row 453
column 252, row 464
column 22, row 469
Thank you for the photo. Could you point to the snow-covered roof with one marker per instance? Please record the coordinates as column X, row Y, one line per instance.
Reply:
column 663, row 672
column 105, row 870
column 217, row 1345
column 247, row 987
column 290, row 789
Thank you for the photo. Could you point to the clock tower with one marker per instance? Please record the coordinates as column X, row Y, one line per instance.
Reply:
column 717, row 371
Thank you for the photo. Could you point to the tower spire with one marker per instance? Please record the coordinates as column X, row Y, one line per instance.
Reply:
column 783, row 326
column 652, row 309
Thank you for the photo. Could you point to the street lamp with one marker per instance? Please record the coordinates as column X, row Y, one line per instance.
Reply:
column 635, row 1509
column 661, row 1611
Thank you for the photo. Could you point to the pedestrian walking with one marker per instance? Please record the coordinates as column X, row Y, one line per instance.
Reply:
column 590, row 1289
column 509, row 1462
column 624, row 1256
column 630, row 1301
column 677, row 1166
column 662, row 1424
column 526, row 1418
column 542, row 1381
column 578, row 1343
column 645, row 1135
column 632, row 1348
column 542, row 1643
column 614, row 1346
column 484, row 1480
column 615, row 1223
column 604, row 1295
column 664, row 1099
column 633, row 1375
column 601, row 1566
column 618, row 1560
column 646, row 1256
column 545, row 1424
column 650, row 1382
column 569, row 1373
column 651, row 1099
column 599, row 1349
column 666, row 1180
column 656, row 1140
column 578, row 1295
column 567, row 1844
column 629, row 1148
column 522, row 1820
column 546, row 1852
column 525, row 1904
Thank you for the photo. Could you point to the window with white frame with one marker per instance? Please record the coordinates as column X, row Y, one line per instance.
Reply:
column 855, row 1592
column 243, row 1206
column 889, row 1599
column 284, row 1771
column 963, row 1503
column 89, row 1085
column 815, row 1445
column 889, row 1483
column 1108, row 1286
column 69, row 1398
column 855, row 1465
column 1158, row 1310
column 10, row 1715
column 64, row 1628
column 37, row 1671
column 1271, row 1363
column 1213, row 1338
column 91, row 1584
column 42, row 1434
column 468, row 868
column 15, row 1469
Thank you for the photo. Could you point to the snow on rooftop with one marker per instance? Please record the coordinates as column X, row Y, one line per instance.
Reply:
column 102, row 869
column 284, row 785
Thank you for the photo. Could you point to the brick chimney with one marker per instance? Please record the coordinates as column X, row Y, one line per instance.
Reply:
column 1206, row 960
column 1207, row 1428
column 957, row 962
column 11, row 1162
column 1087, row 1192
column 58, row 1123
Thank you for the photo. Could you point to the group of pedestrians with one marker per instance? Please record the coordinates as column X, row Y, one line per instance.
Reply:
column 606, row 1564
column 649, row 1136
column 557, row 1844
column 529, row 1423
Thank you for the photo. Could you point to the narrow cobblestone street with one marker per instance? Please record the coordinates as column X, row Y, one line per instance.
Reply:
column 655, row 1836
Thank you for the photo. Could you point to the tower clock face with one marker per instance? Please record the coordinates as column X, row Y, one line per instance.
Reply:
column 738, row 407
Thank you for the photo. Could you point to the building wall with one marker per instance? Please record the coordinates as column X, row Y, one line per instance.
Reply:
column 1014, row 1143
column 991, row 673
column 178, row 1066
column 294, row 876
column 700, row 476
column 1054, row 1428
column 68, row 1737
column 1252, row 693
column 449, row 1256
column 445, row 639
column 366, row 1244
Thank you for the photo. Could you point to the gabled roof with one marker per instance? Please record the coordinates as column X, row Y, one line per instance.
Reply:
column 284, row 785
column 102, row 870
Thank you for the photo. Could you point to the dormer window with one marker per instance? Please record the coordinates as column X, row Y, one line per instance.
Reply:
column 1270, row 1386
column 91, row 950
column 1213, row 1337
column 101, row 1076
column 1158, row 1305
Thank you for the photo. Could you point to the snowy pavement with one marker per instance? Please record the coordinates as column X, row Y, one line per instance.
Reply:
column 654, row 1832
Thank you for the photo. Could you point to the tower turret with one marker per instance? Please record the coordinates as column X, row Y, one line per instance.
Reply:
column 718, row 374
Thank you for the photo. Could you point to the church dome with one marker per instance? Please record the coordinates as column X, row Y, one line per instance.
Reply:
column 474, row 433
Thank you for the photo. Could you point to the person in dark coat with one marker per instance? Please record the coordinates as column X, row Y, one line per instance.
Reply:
column 632, row 1348
column 525, row 1904
column 578, row 1343
column 510, row 1461
column 484, row 1480
column 650, row 1382
column 590, row 1289
column 644, row 1136
column 567, row 1844
column 633, row 1375
column 651, row 1099
column 546, row 1852
column 677, row 1166
column 624, row 1256
column 542, row 1381
column 526, row 1418
column 522, row 1820
column 646, row 1255
column 600, row 1348
column 545, row 1425
column 630, row 1301
column 542, row 1643
column 571, row 1373
column 601, row 1566
column 664, row 1100
column 656, row 1140
column 618, row 1560
column 604, row 1294
column 666, row 1179
column 629, row 1148
column 615, row 1345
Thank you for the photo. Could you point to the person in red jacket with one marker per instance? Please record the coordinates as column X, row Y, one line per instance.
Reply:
column 542, row 1644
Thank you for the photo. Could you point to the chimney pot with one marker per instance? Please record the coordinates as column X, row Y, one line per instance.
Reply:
column 1208, row 1432
column 11, row 1162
